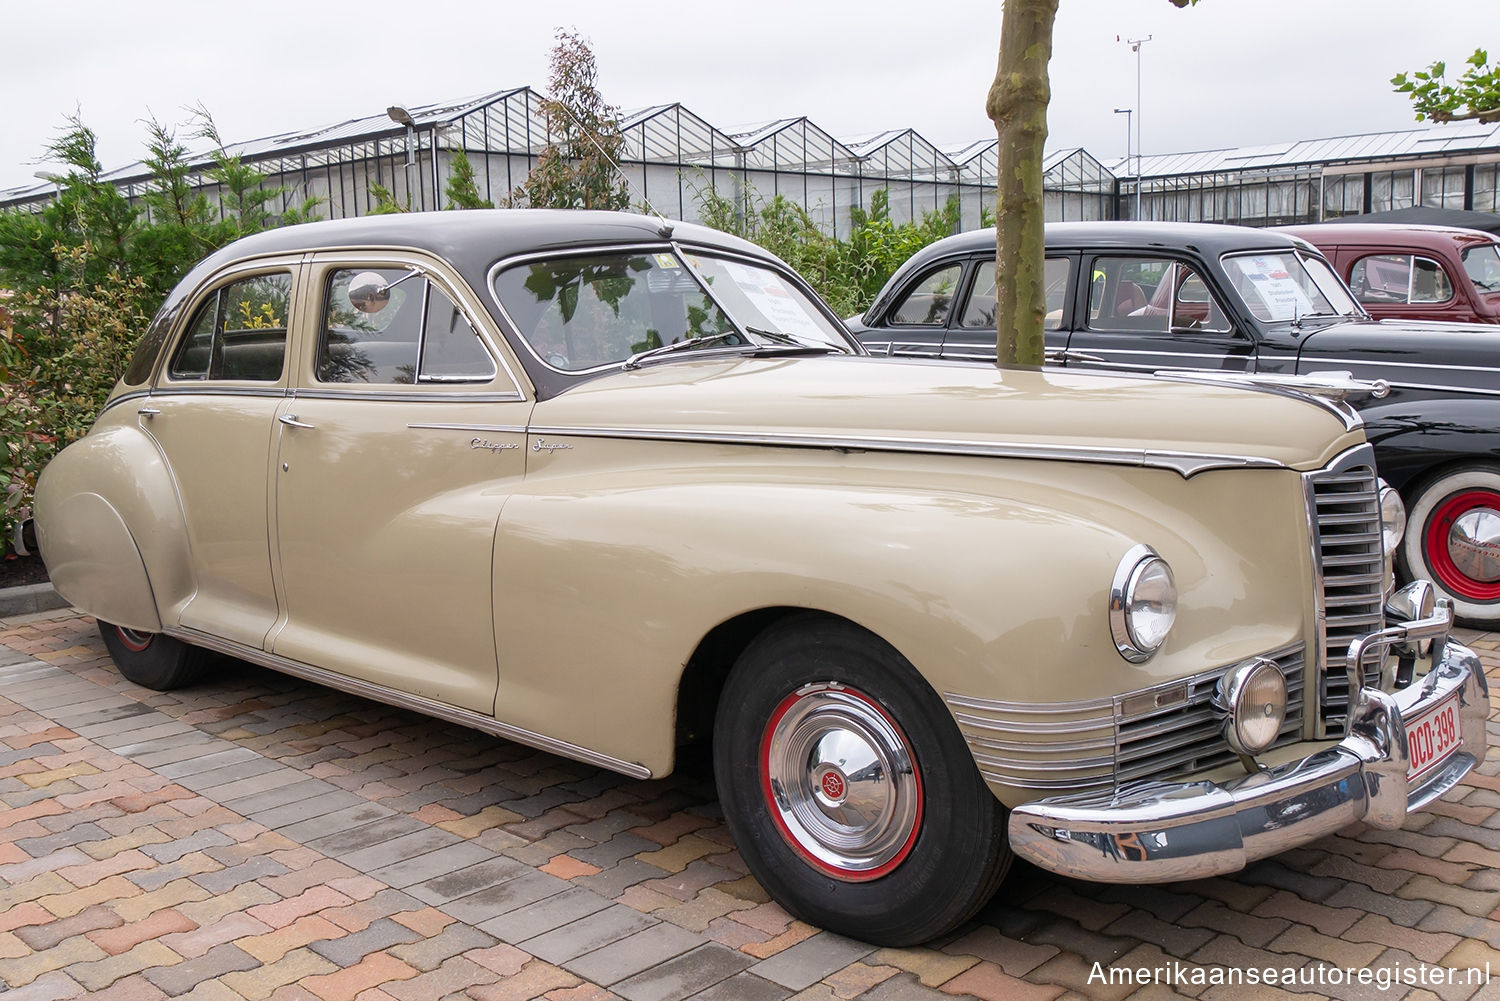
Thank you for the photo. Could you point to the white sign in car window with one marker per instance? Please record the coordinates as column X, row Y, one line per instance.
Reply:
column 784, row 311
column 1281, row 292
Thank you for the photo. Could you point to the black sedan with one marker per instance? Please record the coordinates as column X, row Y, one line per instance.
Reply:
column 1156, row 296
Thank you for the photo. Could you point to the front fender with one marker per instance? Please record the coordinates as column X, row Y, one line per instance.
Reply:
column 1413, row 436
column 110, row 529
column 993, row 588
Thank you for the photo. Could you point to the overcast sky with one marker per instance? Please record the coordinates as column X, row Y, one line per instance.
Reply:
column 1226, row 73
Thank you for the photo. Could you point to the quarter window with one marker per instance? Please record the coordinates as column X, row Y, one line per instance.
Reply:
column 1383, row 279
column 928, row 304
column 239, row 333
column 392, row 326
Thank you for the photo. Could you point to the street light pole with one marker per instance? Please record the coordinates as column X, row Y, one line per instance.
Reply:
column 1135, row 46
column 1128, row 112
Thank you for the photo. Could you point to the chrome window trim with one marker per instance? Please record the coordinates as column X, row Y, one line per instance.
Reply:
column 232, row 274
column 1186, row 464
column 404, row 700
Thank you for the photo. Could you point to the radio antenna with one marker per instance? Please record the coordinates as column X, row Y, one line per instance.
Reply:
column 665, row 230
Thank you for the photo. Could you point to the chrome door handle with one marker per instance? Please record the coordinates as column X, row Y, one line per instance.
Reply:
column 290, row 420
column 148, row 411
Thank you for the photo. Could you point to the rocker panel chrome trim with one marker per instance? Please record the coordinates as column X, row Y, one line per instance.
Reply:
column 403, row 700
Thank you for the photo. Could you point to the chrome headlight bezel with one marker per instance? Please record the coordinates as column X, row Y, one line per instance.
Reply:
column 1136, row 637
column 1252, row 694
column 1392, row 517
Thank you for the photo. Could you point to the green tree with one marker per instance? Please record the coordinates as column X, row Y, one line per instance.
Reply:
column 1476, row 94
column 461, row 190
column 576, row 169
column 1017, row 104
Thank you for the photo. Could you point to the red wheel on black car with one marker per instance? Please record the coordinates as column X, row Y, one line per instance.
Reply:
column 1453, row 539
column 849, row 790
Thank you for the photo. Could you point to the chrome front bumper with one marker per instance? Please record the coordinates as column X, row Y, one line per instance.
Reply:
column 1162, row 831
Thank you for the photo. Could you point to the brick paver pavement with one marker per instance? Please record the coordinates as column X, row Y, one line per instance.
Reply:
column 258, row 837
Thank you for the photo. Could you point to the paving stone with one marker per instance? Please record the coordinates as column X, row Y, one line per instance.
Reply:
column 462, row 882
column 744, row 987
column 264, row 981
column 305, row 822
column 448, row 859
column 47, row 844
column 614, row 881
column 227, row 879
column 171, row 851
column 259, row 805
column 808, row 962
column 142, row 956
column 357, row 839
column 350, row 949
column 431, row 951
column 619, row 847
column 403, row 848
column 527, row 888
column 41, row 937
column 546, row 914
column 216, row 962
column 684, row 975
column 594, row 931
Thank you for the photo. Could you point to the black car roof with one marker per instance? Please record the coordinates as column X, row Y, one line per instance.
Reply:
column 1207, row 238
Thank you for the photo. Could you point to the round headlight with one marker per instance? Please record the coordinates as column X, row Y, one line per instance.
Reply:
column 1253, row 697
column 1142, row 604
column 1392, row 518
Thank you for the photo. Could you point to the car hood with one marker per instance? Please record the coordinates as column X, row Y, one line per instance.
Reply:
column 1457, row 355
column 857, row 402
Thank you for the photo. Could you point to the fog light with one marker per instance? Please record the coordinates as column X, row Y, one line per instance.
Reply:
column 1392, row 518
column 1253, row 697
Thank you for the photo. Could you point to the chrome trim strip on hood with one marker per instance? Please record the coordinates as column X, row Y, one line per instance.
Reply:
column 1186, row 464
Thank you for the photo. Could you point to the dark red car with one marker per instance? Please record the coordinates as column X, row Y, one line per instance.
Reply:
column 1414, row 272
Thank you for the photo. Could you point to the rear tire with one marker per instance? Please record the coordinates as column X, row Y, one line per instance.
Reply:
column 152, row 660
column 848, row 789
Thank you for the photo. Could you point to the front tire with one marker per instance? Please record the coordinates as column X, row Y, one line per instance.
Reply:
column 152, row 660
column 1453, row 539
column 848, row 789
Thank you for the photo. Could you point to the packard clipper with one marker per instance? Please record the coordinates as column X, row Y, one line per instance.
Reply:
column 618, row 488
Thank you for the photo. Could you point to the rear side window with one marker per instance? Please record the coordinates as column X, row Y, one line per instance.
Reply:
column 1383, row 279
column 238, row 333
column 980, row 311
column 392, row 326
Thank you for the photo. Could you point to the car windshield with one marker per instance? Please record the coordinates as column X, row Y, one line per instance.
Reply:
column 1483, row 266
column 579, row 314
column 1286, row 286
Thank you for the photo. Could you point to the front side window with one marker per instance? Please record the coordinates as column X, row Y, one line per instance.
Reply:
column 238, row 333
column 980, row 310
column 392, row 326
column 930, row 301
column 1482, row 265
column 1279, row 287
column 1383, row 279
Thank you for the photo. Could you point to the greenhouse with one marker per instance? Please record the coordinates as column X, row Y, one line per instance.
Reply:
column 676, row 163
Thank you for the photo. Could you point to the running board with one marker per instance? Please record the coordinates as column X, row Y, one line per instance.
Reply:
column 403, row 700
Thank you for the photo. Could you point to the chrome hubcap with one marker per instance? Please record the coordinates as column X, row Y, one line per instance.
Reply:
column 841, row 782
column 1474, row 544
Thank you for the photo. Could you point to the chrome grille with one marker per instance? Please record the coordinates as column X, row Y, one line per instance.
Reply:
column 1160, row 732
column 1344, row 508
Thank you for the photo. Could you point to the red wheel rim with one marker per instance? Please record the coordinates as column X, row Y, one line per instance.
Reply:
column 1435, row 545
column 134, row 641
column 841, row 783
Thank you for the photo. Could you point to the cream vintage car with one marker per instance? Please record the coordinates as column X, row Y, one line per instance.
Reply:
column 607, row 486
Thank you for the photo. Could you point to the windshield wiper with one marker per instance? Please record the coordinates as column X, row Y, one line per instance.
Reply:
column 634, row 361
column 789, row 342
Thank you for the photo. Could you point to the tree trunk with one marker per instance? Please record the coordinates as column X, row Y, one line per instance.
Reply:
column 1017, row 104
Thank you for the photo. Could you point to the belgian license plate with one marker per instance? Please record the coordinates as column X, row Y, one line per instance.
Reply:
column 1431, row 737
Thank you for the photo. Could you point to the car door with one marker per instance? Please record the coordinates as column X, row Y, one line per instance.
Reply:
column 1144, row 312
column 971, row 334
column 216, row 399
column 404, row 436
